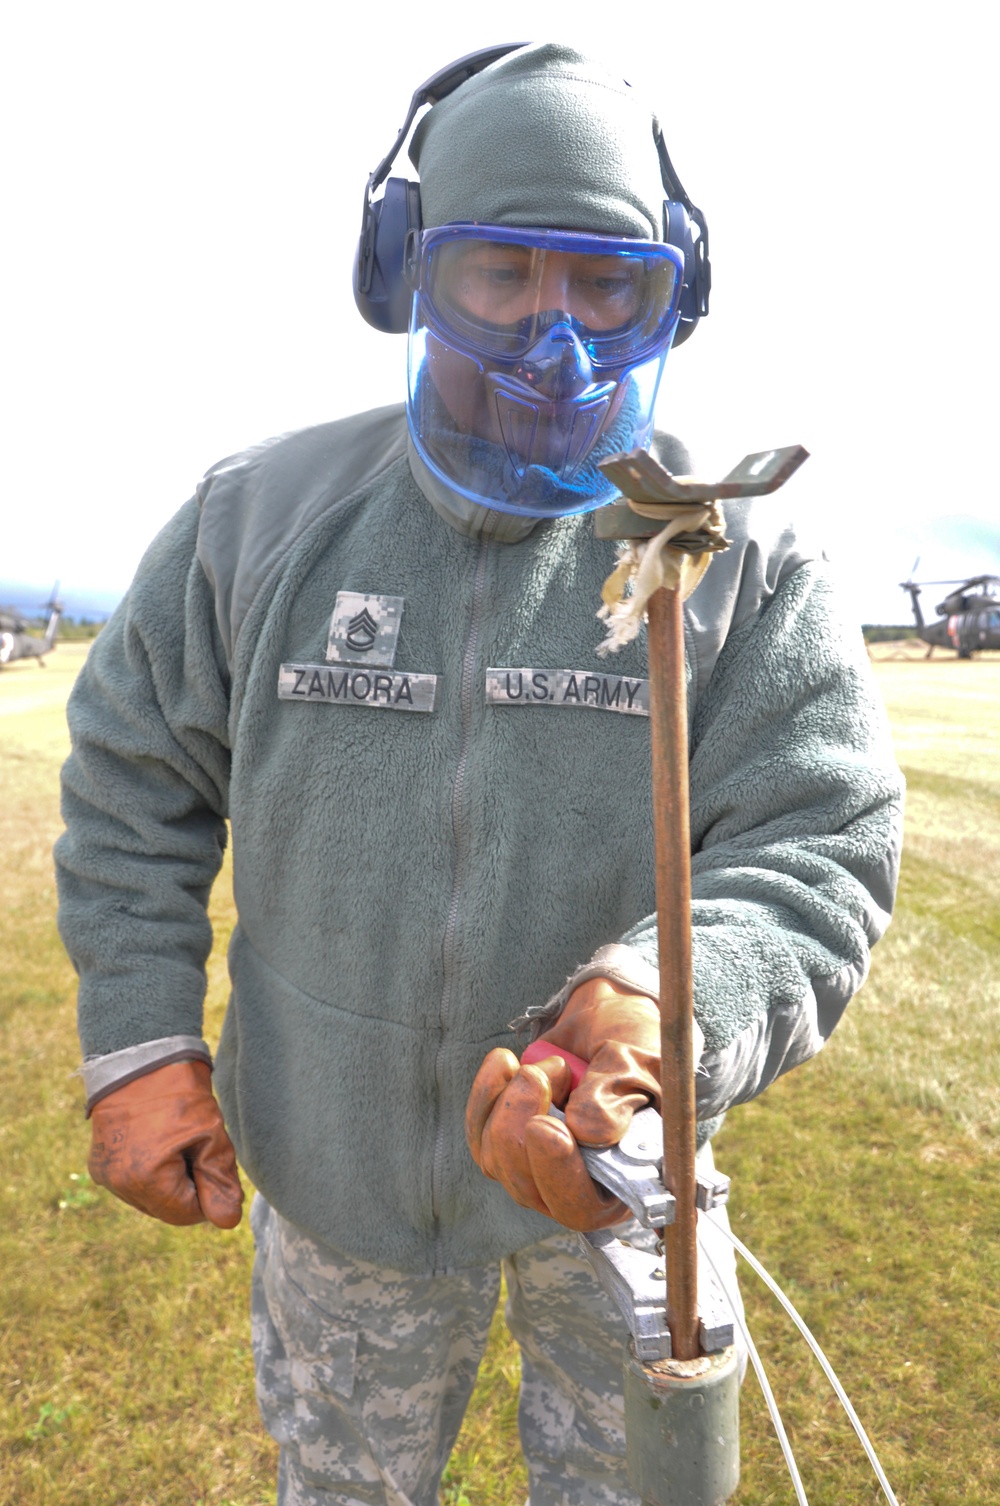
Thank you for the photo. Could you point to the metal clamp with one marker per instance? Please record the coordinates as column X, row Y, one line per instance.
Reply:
column 633, row 1278
column 636, row 1282
column 632, row 1171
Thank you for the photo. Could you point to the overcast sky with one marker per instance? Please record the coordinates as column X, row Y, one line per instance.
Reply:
column 182, row 191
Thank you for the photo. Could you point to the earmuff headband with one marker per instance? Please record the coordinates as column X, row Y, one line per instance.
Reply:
column 381, row 289
column 377, row 290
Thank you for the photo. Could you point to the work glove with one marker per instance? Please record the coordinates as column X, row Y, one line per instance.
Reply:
column 537, row 1158
column 159, row 1143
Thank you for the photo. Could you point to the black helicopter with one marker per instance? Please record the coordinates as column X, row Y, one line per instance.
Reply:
column 16, row 642
column 969, row 616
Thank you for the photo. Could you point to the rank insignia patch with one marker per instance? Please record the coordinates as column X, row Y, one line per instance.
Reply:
column 364, row 629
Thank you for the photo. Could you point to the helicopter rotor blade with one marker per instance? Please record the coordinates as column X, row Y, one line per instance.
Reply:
column 908, row 584
column 958, row 580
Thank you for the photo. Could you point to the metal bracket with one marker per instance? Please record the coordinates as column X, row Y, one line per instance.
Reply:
column 639, row 476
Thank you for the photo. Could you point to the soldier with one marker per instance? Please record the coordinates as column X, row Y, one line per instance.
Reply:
column 371, row 647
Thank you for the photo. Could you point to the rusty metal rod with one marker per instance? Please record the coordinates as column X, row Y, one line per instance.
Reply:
column 672, row 831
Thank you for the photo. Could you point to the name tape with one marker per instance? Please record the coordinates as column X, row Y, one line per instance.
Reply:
column 391, row 690
column 567, row 687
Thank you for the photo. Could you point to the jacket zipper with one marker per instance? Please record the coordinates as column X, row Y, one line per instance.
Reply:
column 461, row 834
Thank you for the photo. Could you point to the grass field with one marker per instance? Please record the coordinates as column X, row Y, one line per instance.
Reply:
column 867, row 1181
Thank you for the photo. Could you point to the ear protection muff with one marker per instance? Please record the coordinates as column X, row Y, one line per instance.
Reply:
column 390, row 225
column 381, row 292
column 685, row 229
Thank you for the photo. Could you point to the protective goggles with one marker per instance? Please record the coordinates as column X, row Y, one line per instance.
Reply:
column 493, row 290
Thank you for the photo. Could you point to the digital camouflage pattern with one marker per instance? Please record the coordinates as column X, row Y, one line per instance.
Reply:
column 364, row 1373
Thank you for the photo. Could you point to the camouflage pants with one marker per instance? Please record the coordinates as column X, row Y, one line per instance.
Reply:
column 364, row 1373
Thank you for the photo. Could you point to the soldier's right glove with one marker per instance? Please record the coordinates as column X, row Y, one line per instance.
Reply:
column 537, row 1158
column 159, row 1143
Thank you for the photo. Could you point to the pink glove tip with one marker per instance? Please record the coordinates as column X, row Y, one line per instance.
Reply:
column 538, row 1051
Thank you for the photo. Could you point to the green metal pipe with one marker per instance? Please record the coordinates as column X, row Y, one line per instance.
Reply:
column 682, row 1421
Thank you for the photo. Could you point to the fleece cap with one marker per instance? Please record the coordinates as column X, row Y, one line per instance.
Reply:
column 546, row 137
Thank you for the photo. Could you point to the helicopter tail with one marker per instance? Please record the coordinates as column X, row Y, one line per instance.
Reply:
column 914, row 591
column 55, row 610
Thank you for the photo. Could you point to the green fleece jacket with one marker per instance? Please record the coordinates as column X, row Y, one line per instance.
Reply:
column 409, row 880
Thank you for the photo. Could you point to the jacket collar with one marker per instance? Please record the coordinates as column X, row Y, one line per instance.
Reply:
column 467, row 517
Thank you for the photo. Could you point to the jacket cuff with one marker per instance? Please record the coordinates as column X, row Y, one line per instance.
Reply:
column 622, row 964
column 103, row 1074
column 765, row 1050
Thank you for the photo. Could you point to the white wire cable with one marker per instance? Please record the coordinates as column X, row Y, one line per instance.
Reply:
column 761, row 1373
column 813, row 1343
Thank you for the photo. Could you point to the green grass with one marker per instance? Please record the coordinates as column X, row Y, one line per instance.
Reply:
column 867, row 1181
column 125, row 1369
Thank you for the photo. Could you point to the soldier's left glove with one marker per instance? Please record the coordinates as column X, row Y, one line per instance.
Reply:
column 536, row 1158
column 160, row 1144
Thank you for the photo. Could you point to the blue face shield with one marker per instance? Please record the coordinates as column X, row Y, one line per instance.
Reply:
column 533, row 354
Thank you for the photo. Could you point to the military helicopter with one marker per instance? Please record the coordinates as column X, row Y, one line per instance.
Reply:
column 970, row 615
column 16, row 642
